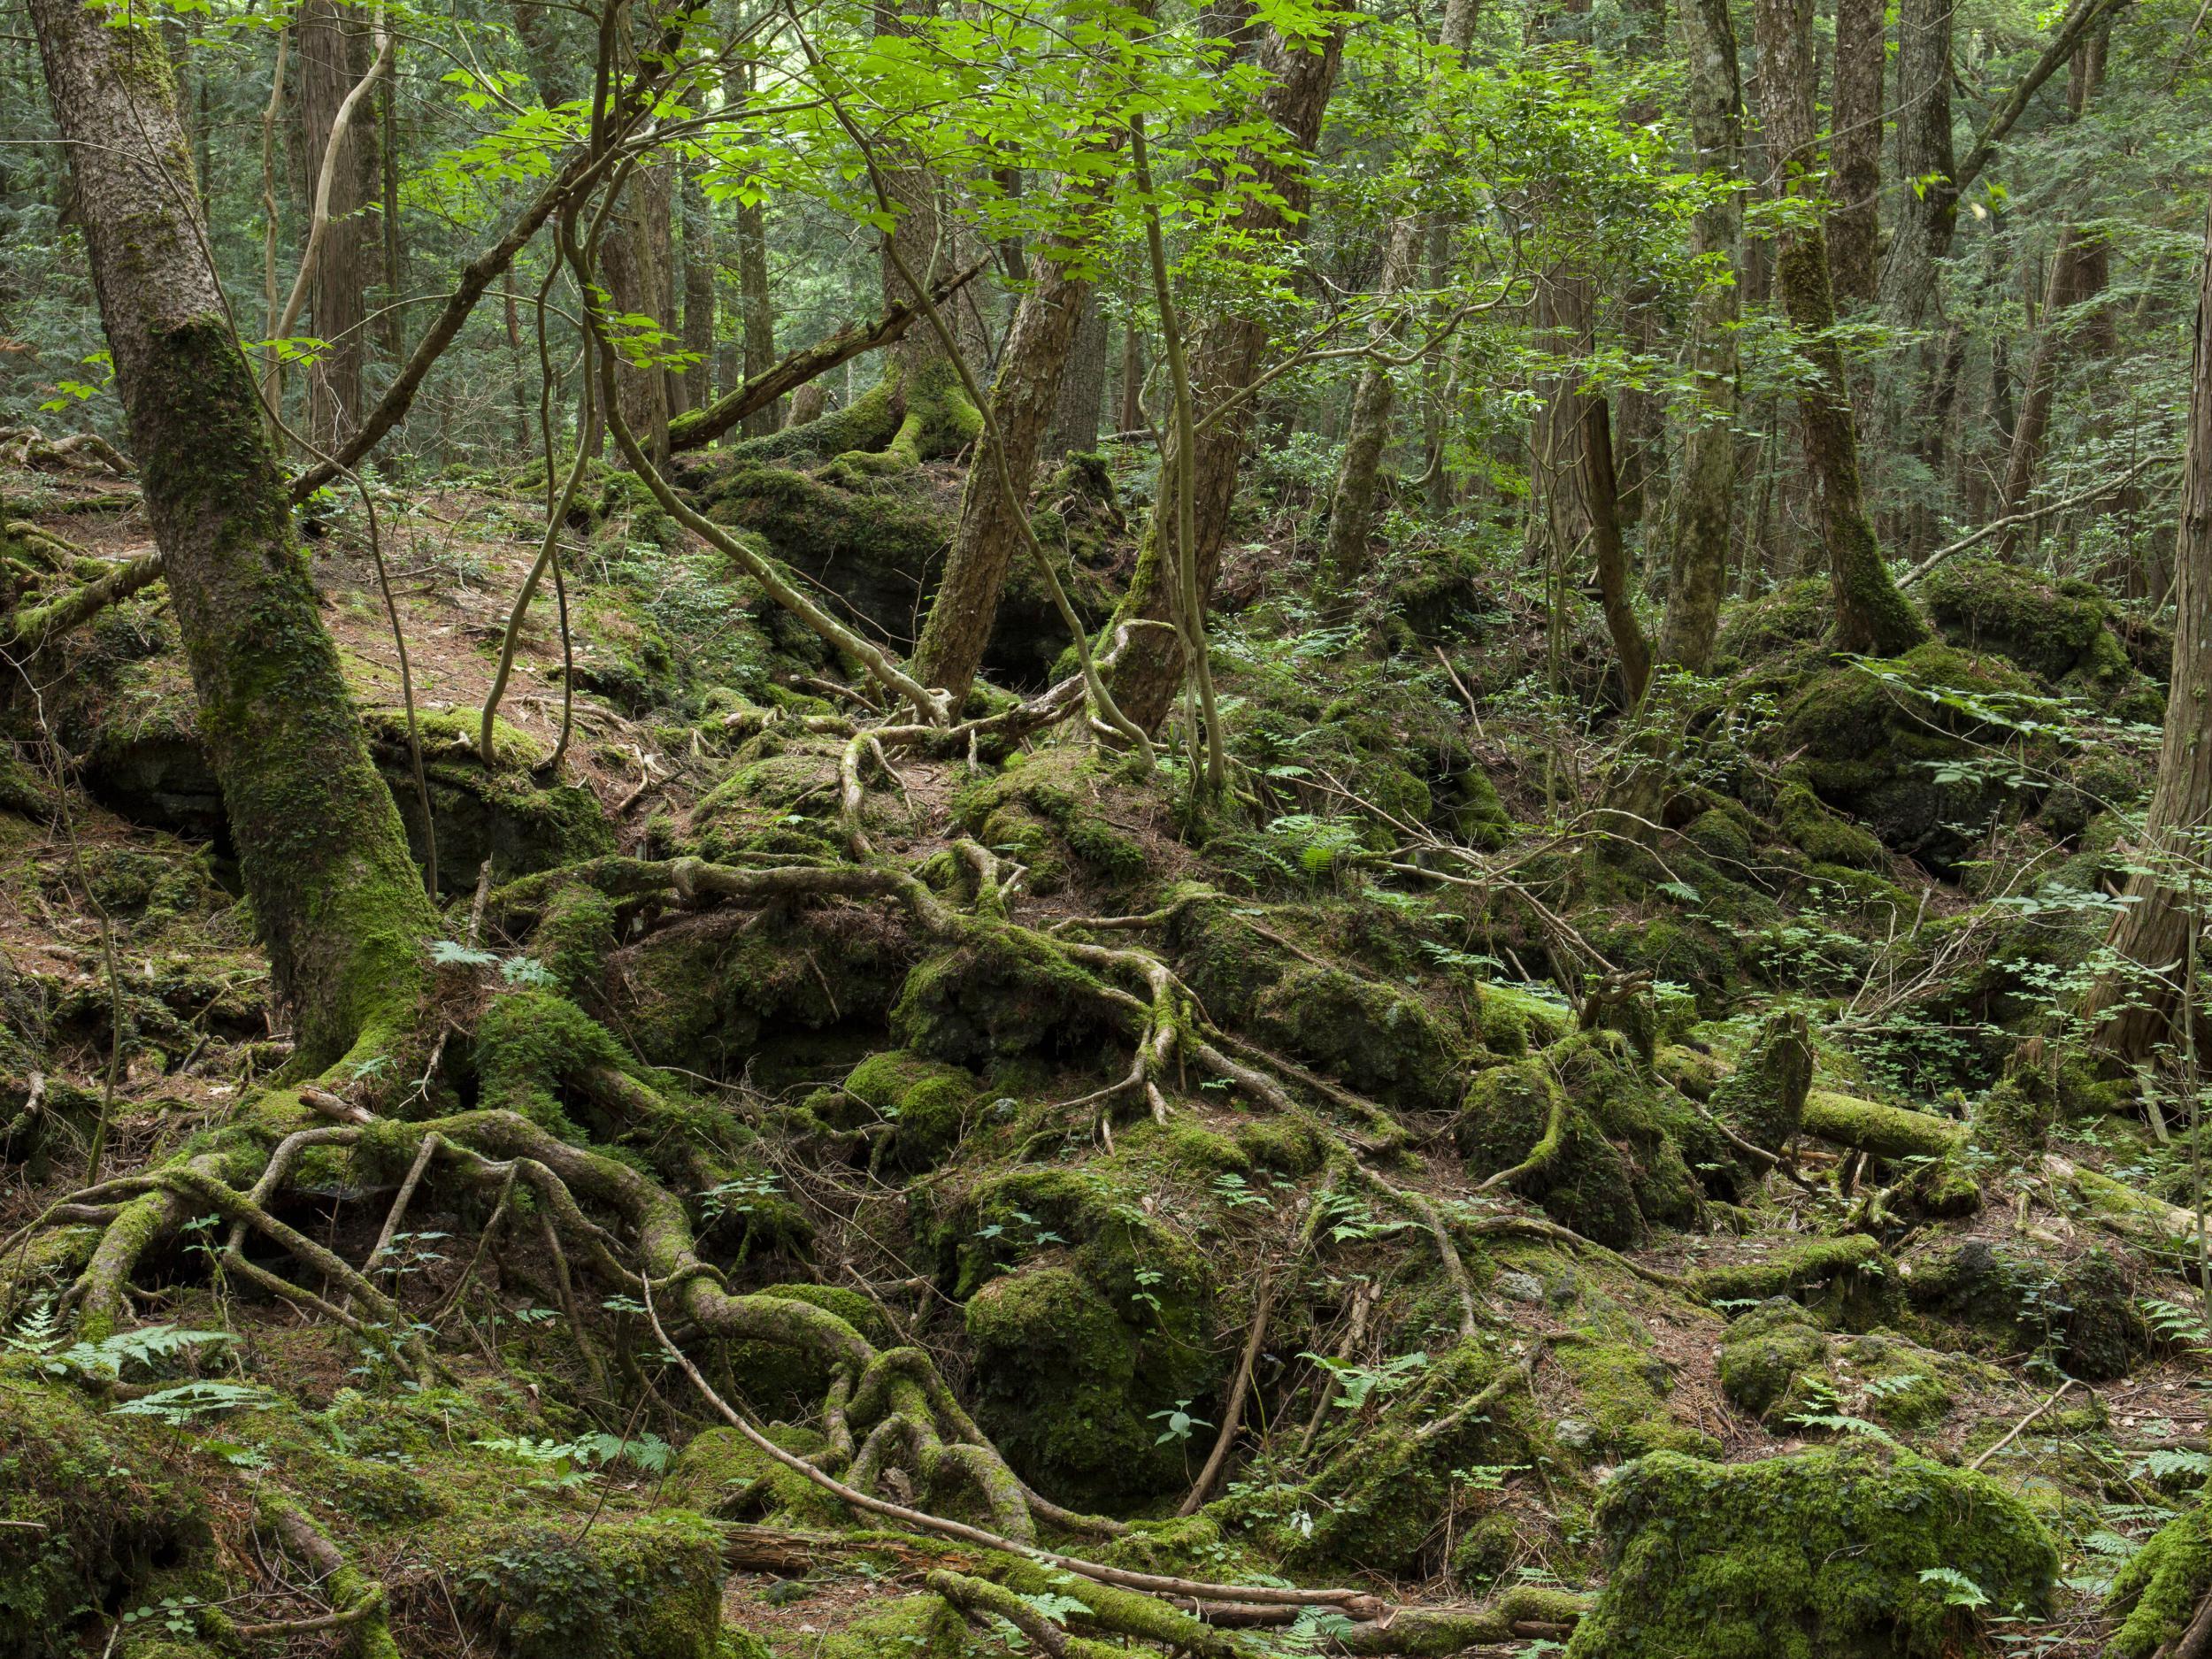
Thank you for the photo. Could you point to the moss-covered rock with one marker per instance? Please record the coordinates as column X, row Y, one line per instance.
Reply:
column 2157, row 1589
column 2059, row 632
column 1765, row 1096
column 93, row 1512
column 646, row 1587
column 927, row 1102
column 2079, row 1310
column 1767, row 1355
column 1815, row 1557
column 1845, row 1280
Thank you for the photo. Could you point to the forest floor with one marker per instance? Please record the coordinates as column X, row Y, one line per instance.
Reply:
column 1403, row 920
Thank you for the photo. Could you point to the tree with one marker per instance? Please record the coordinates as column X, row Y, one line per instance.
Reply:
column 335, row 50
column 2133, row 1010
column 700, row 270
column 1705, row 501
column 1352, row 504
column 1871, row 615
column 336, row 895
column 1855, row 148
column 1225, row 359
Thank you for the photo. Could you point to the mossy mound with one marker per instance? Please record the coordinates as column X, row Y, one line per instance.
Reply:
column 1611, row 1148
column 1001, row 997
column 924, row 1102
column 94, row 1513
column 1621, row 1389
column 625, row 1588
column 1087, row 1316
column 1845, row 1280
column 1054, row 813
column 789, row 1380
column 2061, row 632
column 1901, row 746
column 1376, row 1037
column 712, row 992
column 721, row 1473
column 1785, row 620
column 2156, row 1591
column 1815, row 1557
column 1764, row 1098
column 1387, row 1490
column 2079, row 1311
column 912, row 1627
column 1768, row 1356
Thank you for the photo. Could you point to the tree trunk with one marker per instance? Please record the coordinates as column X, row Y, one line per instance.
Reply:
column 1602, row 490
column 324, row 860
column 699, row 273
column 2078, row 274
column 1130, row 417
column 756, row 309
column 1025, row 396
column 1352, row 504
column 1705, row 502
column 1082, row 385
column 1871, row 615
column 1856, row 151
column 1928, row 205
column 335, row 50
column 1226, row 359
column 2129, row 1014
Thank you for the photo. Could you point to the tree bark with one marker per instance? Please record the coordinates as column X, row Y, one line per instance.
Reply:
column 1602, row 491
column 1855, row 150
column 1226, row 359
column 634, row 259
column 335, row 50
column 2131, row 1013
column 1082, row 385
column 699, row 273
column 1130, row 417
column 1352, row 505
column 1705, row 501
column 336, row 897
column 1871, row 615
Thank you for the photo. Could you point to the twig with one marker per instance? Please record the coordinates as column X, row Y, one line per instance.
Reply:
column 2022, row 1425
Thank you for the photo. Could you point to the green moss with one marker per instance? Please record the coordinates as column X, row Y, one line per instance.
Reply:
column 719, row 1472
column 2061, row 632
column 95, row 1510
column 2158, row 1588
column 627, row 1588
column 575, row 937
column 1380, row 1039
column 912, row 1627
column 1386, row 1487
column 787, row 1381
column 1845, row 1279
column 2079, row 1311
column 1815, row 1557
column 1823, row 837
column 927, row 1103
column 1768, row 1354
column 1765, row 1097
column 528, row 1043
column 1621, row 1389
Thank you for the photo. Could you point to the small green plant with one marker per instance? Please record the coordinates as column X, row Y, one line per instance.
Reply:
column 1357, row 1384
column 1180, row 1423
column 1958, row 1589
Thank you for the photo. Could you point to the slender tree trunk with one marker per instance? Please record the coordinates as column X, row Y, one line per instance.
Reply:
column 1856, row 151
column 699, row 274
column 2078, row 274
column 324, row 860
column 756, row 309
column 1226, row 359
column 1352, row 504
column 1927, row 163
column 335, row 50
column 1130, row 415
column 1025, row 397
column 1871, row 615
column 1602, row 490
column 1705, row 501
column 2129, row 1014
column 1082, row 384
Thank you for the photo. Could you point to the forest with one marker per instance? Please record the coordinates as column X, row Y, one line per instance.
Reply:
column 1100, row 829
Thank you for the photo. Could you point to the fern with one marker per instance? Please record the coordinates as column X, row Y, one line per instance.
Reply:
column 2159, row 1464
column 1958, row 1589
column 1840, row 1424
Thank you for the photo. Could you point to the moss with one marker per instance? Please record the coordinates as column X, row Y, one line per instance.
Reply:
column 1049, row 812
column 1386, row 1488
column 1775, row 624
column 627, row 1588
column 574, row 938
column 1823, row 837
column 927, row 1103
column 1477, row 814
column 785, row 1379
column 1901, row 748
column 719, row 1472
column 1897, row 1383
column 1767, row 1355
column 529, row 1043
column 1846, row 1279
column 2078, row 1312
column 1378, row 1039
column 911, row 1627
column 1105, row 1318
column 2061, row 632
column 1765, row 1097
column 1621, row 1388
column 2158, row 1588
column 1815, row 1557
column 1718, row 834
column 95, row 1511
column 1615, row 1151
